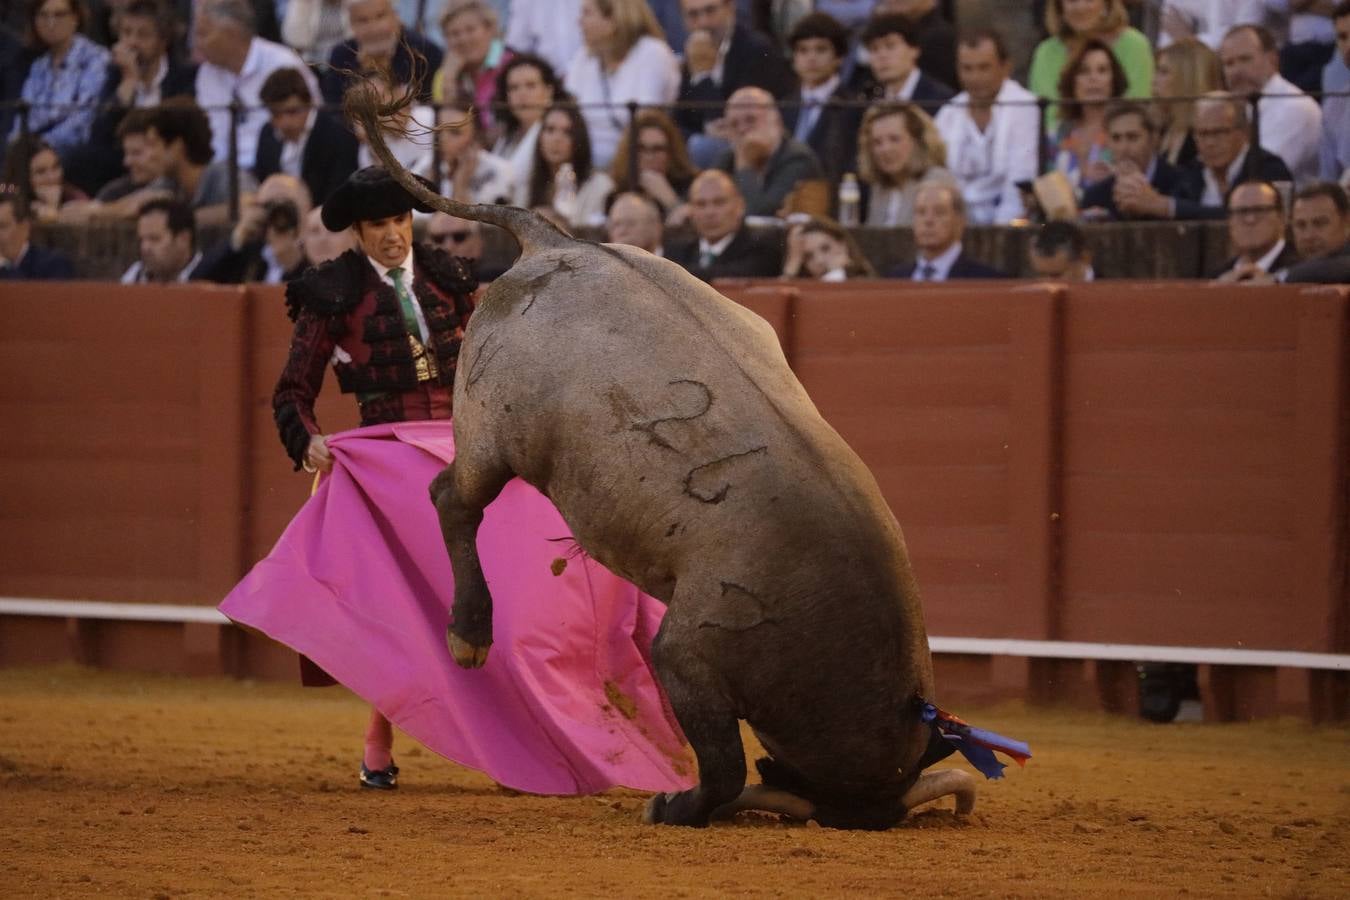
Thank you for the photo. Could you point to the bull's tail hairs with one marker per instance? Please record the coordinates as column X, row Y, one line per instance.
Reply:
column 374, row 98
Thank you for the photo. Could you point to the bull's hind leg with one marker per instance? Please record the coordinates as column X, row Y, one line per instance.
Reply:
column 461, row 492
column 699, row 697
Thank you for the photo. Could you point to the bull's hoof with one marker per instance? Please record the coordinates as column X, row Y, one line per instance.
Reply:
column 651, row 813
column 467, row 656
column 673, row 809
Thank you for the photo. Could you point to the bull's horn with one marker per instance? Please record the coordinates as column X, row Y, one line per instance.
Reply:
column 767, row 799
column 932, row 785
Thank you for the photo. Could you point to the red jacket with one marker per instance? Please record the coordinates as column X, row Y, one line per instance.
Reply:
column 344, row 304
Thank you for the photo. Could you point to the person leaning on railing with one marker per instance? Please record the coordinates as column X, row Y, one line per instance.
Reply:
column 822, row 249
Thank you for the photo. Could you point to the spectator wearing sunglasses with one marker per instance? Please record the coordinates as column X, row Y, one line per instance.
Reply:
column 464, row 238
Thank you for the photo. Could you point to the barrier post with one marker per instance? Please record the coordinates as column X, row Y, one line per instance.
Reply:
column 236, row 110
column 632, row 145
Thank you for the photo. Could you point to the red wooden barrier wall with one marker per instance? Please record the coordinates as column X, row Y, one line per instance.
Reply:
column 1151, row 463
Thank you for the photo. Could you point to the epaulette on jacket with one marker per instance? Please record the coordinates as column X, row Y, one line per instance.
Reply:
column 329, row 289
column 335, row 287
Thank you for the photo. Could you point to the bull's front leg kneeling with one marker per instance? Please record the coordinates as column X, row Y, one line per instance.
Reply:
column 469, row 635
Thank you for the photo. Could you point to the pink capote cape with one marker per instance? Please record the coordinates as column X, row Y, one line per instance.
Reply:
column 360, row 582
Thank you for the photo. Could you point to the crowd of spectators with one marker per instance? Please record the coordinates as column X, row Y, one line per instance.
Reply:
column 224, row 117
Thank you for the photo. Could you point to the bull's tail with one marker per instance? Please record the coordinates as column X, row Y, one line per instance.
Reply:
column 365, row 106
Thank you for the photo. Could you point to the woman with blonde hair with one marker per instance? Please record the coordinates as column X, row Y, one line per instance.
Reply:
column 1185, row 70
column 625, row 58
column 664, row 171
column 898, row 148
column 821, row 248
column 1070, row 24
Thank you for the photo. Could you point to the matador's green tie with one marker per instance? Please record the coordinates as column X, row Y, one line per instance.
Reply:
column 405, row 302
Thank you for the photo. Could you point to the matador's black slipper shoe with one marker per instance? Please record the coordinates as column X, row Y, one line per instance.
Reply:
column 385, row 779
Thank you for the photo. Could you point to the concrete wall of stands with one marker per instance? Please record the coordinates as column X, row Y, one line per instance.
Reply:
column 1143, row 463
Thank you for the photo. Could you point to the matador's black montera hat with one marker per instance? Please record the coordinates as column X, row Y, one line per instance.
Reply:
column 370, row 193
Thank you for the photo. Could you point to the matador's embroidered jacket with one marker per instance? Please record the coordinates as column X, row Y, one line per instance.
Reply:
column 346, row 315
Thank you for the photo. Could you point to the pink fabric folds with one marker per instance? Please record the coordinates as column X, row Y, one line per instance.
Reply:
column 360, row 583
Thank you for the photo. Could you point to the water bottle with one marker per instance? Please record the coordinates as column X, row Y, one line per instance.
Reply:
column 850, row 198
column 565, row 192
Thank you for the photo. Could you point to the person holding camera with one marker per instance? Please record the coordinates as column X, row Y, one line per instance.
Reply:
column 264, row 245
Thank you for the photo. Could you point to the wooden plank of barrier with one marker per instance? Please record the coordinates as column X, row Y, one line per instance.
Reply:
column 1321, row 465
column 223, row 437
column 1034, row 414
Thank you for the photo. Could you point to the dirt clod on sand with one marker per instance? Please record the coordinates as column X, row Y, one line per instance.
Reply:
column 143, row 786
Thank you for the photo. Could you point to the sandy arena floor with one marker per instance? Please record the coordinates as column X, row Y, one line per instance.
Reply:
column 136, row 786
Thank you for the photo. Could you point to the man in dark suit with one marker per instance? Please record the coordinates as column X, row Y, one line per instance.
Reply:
column 1321, row 228
column 725, row 248
column 1225, row 157
column 721, row 56
column 1133, row 139
column 824, row 115
column 301, row 139
column 939, row 223
column 379, row 39
column 1256, row 229
column 19, row 259
column 893, row 53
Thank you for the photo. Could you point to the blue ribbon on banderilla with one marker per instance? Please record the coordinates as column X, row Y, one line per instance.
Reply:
column 976, row 744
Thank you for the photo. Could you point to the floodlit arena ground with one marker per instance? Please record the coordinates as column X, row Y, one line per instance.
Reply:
column 125, row 785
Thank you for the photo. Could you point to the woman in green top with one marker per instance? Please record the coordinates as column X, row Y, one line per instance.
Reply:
column 1070, row 23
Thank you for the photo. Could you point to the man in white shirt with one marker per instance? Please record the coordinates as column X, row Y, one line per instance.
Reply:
column 1208, row 20
column 1290, row 121
column 992, row 130
column 547, row 28
column 166, row 239
column 236, row 64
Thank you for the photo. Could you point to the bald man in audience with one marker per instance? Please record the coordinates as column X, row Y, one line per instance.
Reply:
column 725, row 247
column 635, row 219
column 766, row 163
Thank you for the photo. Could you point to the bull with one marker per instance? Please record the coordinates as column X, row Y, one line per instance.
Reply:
column 663, row 421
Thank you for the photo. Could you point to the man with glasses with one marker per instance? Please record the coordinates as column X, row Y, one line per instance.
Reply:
column 1256, row 228
column 1225, row 157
